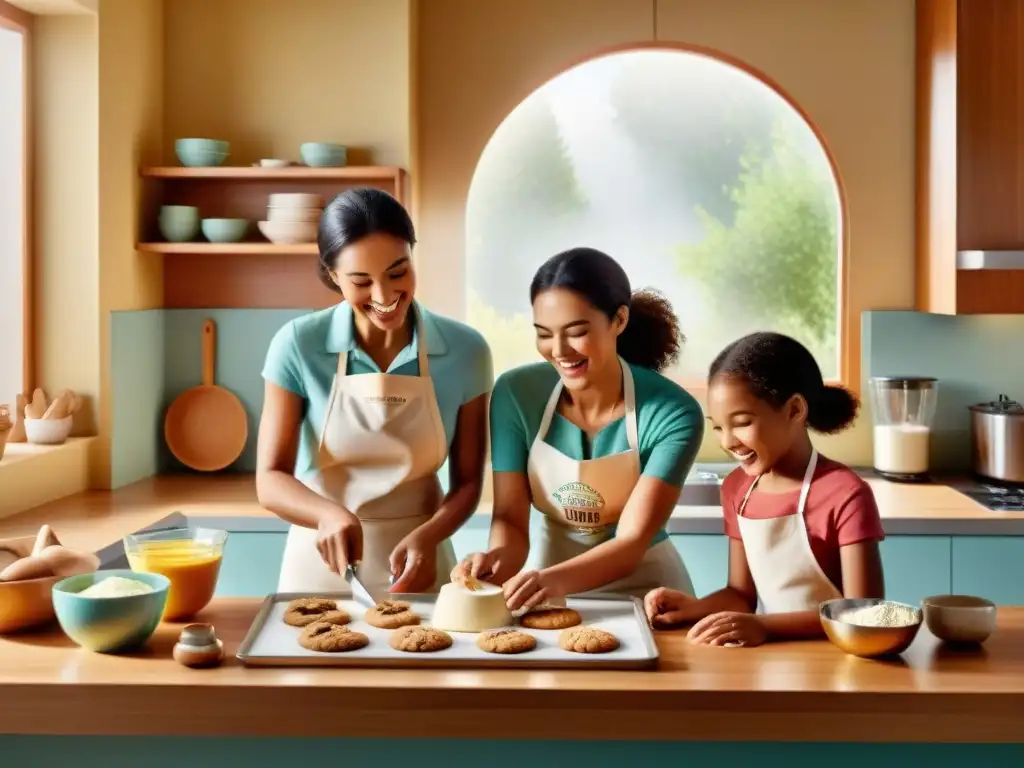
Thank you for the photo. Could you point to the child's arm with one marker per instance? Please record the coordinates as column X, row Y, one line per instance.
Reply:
column 667, row 608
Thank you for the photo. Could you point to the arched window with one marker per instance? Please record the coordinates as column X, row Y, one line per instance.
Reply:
column 700, row 178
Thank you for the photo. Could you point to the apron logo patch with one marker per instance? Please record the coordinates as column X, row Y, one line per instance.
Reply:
column 385, row 400
column 581, row 503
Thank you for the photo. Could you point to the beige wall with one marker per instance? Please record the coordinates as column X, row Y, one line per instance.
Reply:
column 850, row 65
column 268, row 75
column 66, row 138
column 131, row 123
column 98, row 82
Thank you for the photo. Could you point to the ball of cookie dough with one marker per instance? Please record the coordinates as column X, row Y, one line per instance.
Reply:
column 587, row 640
column 306, row 610
column 391, row 614
column 551, row 618
column 506, row 641
column 416, row 639
column 324, row 637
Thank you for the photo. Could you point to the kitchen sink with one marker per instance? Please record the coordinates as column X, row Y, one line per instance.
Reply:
column 703, row 484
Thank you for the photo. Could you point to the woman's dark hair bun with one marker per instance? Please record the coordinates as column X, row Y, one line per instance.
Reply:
column 775, row 367
column 652, row 338
column 354, row 214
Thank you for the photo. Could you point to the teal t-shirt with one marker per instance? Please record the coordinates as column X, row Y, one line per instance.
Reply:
column 303, row 358
column 670, row 424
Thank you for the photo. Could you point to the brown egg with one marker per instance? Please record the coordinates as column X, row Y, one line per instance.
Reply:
column 26, row 568
column 66, row 562
column 44, row 539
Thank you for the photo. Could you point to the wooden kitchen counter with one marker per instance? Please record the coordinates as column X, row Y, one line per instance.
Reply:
column 806, row 691
column 95, row 519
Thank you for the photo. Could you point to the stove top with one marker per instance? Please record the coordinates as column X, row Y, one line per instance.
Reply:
column 995, row 497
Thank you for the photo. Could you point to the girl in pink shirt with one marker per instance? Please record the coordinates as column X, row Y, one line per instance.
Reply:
column 802, row 528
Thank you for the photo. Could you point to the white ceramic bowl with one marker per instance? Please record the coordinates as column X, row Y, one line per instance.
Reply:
column 274, row 162
column 960, row 618
column 295, row 200
column 289, row 232
column 289, row 213
column 48, row 431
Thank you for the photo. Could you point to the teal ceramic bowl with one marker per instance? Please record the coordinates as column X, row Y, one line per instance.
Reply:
column 201, row 153
column 225, row 230
column 179, row 223
column 109, row 624
column 318, row 154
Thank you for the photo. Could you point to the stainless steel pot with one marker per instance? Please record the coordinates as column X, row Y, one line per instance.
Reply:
column 997, row 440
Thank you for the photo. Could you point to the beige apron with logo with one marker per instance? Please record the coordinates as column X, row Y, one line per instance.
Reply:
column 786, row 573
column 581, row 499
column 382, row 444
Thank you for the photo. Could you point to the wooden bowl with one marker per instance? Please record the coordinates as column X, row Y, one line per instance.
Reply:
column 27, row 603
column 960, row 618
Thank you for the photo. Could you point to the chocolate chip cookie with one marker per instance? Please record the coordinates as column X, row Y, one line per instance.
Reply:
column 305, row 610
column 324, row 637
column 505, row 641
column 391, row 614
column 414, row 639
column 551, row 618
column 587, row 640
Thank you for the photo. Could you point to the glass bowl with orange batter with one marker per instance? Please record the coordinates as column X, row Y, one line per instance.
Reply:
column 190, row 558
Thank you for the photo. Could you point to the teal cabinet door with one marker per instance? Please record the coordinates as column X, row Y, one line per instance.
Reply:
column 706, row 557
column 989, row 566
column 252, row 562
column 916, row 567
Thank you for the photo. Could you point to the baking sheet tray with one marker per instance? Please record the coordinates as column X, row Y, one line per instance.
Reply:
column 271, row 642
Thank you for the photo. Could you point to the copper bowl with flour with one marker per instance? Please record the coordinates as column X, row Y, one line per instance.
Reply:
column 866, row 639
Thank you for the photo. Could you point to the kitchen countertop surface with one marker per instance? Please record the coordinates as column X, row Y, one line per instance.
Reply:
column 95, row 519
column 780, row 692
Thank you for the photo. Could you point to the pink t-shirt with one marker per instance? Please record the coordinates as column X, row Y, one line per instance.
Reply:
column 841, row 510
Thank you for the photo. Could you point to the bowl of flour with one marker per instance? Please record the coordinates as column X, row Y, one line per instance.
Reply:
column 870, row 627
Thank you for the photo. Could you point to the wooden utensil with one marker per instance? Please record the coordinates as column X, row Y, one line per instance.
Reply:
column 206, row 427
column 18, row 433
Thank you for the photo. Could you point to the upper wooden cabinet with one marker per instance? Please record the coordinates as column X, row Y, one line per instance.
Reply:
column 970, row 152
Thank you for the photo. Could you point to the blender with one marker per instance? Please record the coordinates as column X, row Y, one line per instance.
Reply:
column 903, row 408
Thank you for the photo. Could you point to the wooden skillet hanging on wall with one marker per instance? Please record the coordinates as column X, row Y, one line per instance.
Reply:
column 206, row 426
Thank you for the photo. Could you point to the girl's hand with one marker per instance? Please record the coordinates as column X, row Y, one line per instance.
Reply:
column 480, row 565
column 529, row 589
column 668, row 608
column 728, row 628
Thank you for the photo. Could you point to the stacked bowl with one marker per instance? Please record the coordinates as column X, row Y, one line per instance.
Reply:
column 292, row 217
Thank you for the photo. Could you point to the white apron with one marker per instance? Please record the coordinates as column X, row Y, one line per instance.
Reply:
column 381, row 446
column 786, row 573
column 581, row 499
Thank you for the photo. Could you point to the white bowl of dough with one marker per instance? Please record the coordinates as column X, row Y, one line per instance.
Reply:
column 289, row 232
column 461, row 609
column 48, row 431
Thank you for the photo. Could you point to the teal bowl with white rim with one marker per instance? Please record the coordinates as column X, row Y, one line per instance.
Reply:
column 225, row 230
column 201, row 153
column 178, row 223
column 320, row 154
column 109, row 624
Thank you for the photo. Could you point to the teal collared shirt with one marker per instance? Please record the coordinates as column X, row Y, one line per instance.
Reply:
column 303, row 358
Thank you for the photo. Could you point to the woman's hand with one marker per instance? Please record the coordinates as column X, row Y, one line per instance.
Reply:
column 728, row 628
column 668, row 608
column 339, row 540
column 529, row 589
column 414, row 562
column 480, row 565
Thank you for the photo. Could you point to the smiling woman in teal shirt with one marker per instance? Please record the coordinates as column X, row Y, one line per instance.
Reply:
column 363, row 404
column 595, row 439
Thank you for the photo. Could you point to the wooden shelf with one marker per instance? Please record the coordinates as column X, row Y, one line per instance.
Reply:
column 230, row 249
column 291, row 173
